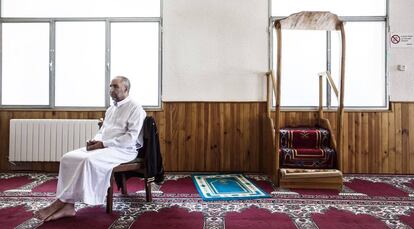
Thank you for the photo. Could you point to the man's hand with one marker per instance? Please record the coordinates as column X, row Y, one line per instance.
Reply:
column 92, row 145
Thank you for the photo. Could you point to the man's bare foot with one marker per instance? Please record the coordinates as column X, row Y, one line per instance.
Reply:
column 68, row 210
column 45, row 212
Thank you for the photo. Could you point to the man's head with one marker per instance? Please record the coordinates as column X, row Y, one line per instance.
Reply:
column 119, row 88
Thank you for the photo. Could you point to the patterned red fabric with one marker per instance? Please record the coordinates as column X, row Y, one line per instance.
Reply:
column 306, row 148
column 338, row 219
column 409, row 220
column 13, row 183
column 307, row 158
column 257, row 218
column 366, row 201
column 179, row 186
column 304, row 138
column 13, row 216
column 375, row 188
column 48, row 186
column 170, row 218
column 90, row 217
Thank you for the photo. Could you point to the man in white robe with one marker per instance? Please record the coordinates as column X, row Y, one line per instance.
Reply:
column 84, row 174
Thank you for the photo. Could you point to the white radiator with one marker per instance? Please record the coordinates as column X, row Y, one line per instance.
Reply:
column 48, row 139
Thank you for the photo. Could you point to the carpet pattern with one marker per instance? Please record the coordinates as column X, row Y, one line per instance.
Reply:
column 304, row 147
column 366, row 201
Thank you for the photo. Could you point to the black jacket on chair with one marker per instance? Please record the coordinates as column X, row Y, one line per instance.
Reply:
column 151, row 148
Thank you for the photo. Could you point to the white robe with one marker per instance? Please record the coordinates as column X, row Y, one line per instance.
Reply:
column 85, row 175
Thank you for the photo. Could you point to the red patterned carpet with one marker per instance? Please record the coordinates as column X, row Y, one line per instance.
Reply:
column 366, row 201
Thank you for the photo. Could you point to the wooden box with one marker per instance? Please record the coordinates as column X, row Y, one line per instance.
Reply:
column 311, row 178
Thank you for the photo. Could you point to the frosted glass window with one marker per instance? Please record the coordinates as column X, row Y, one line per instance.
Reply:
column 80, row 64
column 365, row 63
column 25, row 64
column 80, row 8
column 303, row 57
column 339, row 7
column 135, row 54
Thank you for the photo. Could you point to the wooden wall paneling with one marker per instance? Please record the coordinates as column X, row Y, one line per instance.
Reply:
column 230, row 137
column 269, row 154
column 225, row 126
column 377, row 142
column 213, row 154
column 357, row 139
column 227, row 136
column 371, row 146
column 196, row 151
column 4, row 139
column 241, row 130
column 189, row 137
column 391, row 140
column 405, row 137
column 170, row 156
column 225, row 150
column 303, row 118
column 398, row 139
column 256, row 125
column 346, row 157
column 237, row 138
column 410, row 159
column 351, row 145
column 250, row 117
column 364, row 144
column 245, row 138
column 282, row 118
column 200, row 137
column 220, row 144
column 183, row 157
column 209, row 141
column 290, row 119
column 252, row 139
column 384, row 153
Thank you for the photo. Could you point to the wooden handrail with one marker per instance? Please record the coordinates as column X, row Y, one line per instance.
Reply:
column 268, row 95
column 271, row 76
column 323, row 122
column 331, row 82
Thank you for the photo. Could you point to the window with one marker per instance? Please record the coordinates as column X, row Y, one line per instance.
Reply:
column 306, row 53
column 25, row 64
column 300, row 66
column 80, row 8
column 64, row 53
column 80, row 61
column 134, row 53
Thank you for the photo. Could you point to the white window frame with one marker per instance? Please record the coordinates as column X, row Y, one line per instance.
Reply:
column 272, row 49
column 107, row 77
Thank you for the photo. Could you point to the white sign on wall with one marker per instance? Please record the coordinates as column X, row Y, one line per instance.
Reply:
column 402, row 40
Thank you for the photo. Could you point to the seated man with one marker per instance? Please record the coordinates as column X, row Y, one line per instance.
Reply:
column 84, row 174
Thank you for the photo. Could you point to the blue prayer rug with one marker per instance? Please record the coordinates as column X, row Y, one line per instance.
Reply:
column 227, row 187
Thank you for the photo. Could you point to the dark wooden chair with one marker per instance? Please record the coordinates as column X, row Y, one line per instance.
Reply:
column 139, row 165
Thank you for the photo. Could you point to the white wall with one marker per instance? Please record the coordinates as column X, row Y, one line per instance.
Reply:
column 401, row 21
column 215, row 50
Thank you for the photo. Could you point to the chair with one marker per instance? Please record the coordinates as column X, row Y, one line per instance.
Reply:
column 138, row 165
